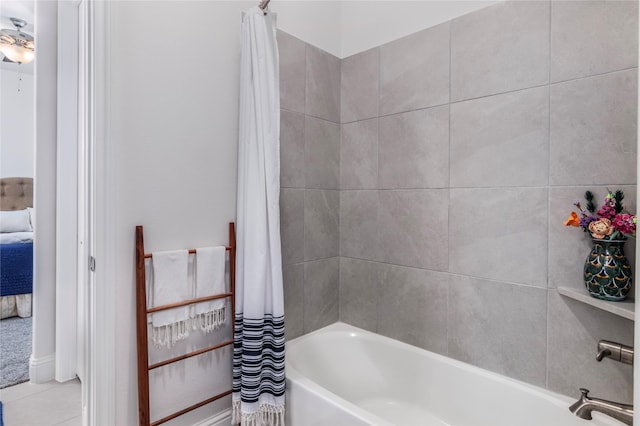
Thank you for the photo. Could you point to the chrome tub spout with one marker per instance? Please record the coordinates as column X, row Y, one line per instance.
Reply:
column 615, row 351
column 585, row 405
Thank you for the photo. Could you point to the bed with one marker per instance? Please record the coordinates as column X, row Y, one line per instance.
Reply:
column 16, row 246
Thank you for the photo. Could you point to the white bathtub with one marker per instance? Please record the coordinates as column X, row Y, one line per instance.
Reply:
column 342, row 376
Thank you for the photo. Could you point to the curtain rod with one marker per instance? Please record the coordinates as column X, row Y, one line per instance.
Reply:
column 263, row 4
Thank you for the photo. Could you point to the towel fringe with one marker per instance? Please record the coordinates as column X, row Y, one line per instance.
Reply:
column 168, row 335
column 209, row 321
column 267, row 415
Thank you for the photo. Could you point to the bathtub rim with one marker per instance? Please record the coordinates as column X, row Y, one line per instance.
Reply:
column 293, row 374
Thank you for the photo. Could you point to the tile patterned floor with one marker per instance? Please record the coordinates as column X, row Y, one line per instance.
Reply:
column 48, row 404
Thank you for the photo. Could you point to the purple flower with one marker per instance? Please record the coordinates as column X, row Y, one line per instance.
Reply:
column 586, row 220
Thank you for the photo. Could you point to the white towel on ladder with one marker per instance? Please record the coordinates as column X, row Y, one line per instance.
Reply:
column 170, row 285
column 210, row 268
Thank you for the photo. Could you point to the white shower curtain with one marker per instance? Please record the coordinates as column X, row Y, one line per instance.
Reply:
column 258, row 354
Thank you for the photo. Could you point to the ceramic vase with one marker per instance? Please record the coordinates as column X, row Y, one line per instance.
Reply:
column 607, row 272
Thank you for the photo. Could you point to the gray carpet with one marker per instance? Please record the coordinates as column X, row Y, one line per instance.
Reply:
column 15, row 350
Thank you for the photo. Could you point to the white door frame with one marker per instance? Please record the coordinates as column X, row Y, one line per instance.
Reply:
column 98, row 396
column 67, row 192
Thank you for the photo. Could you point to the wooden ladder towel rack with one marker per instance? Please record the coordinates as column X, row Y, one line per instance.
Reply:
column 142, row 310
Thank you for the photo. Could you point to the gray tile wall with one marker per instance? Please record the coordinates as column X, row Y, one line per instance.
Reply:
column 425, row 182
column 310, row 181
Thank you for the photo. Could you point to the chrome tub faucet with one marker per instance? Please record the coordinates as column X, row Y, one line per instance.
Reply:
column 585, row 405
column 615, row 351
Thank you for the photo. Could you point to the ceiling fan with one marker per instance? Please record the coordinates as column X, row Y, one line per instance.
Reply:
column 17, row 46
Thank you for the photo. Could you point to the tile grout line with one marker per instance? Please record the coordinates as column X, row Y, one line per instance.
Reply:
column 546, row 362
column 457, row 274
column 463, row 188
column 340, row 172
column 535, row 86
column 447, row 316
column 304, row 198
column 598, row 74
column 378, row 277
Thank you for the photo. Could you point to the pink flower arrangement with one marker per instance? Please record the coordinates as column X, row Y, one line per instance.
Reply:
column 625, row 223
column 610, row 222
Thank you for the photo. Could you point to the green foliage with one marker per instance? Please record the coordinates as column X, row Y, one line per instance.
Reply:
column 591, row 207
column 618, row 197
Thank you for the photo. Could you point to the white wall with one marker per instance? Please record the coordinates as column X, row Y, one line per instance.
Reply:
column 174, row 102
column 316, row 22
column 366, row 24
column 16, row 123
column 344, row 28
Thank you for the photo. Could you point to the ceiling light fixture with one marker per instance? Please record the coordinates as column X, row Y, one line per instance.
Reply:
column 16, row 45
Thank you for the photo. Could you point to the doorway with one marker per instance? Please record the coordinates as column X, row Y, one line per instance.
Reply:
column 55, row 354
column 17, row 172
column 54, row 128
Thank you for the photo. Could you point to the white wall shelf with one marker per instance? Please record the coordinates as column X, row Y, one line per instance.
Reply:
column 625, row 309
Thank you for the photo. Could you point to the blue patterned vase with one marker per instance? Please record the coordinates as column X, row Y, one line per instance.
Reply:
column 607, row 273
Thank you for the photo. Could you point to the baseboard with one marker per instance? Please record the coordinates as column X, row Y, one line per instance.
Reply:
column 43, row 369
column 223, row 418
